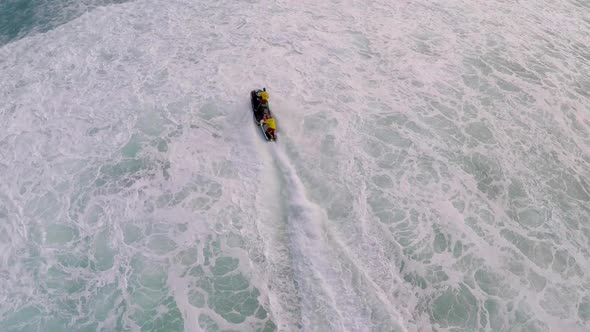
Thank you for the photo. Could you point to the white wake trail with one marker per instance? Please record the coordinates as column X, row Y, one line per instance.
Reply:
column 332, row 290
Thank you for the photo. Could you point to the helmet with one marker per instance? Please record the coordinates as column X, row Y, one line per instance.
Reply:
column 263, row 95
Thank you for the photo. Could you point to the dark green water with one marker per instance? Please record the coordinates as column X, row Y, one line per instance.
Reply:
column 19, row 18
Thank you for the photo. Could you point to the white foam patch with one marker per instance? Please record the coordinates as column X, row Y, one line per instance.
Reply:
column 431, row 170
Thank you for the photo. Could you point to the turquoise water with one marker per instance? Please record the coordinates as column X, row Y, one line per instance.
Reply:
column 20, row 18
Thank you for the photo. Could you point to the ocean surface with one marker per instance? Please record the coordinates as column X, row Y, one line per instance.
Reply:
column 432, row 168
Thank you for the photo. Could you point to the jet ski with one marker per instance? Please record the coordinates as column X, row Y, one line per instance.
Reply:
column 261, row 111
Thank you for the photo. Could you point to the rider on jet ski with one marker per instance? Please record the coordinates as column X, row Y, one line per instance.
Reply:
column 262, row 107
column 269, row 126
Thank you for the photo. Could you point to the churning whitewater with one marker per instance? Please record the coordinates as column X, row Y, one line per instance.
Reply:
column 431, row 173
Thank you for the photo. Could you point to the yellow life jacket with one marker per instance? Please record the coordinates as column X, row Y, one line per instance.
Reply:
column 270, row 122
column 263, row 95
